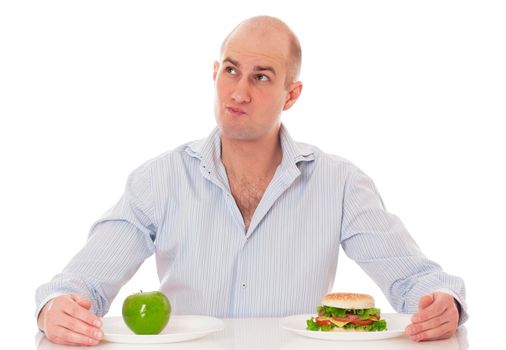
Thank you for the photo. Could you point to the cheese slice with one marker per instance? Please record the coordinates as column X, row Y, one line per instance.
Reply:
column 338, row 323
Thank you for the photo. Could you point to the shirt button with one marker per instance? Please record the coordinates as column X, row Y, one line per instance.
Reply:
column 243, row 284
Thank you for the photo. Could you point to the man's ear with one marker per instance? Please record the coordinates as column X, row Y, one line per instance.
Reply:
column 294, row 91
column 215, row 69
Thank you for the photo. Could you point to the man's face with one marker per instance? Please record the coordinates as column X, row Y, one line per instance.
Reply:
column 250, row 85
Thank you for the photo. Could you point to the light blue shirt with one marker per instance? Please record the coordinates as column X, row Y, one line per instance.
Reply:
column 179, row 206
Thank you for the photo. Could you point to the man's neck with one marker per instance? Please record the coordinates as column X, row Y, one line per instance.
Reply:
column 256, row 158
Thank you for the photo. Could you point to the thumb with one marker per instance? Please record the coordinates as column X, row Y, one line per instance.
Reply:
column 82, row 301
column 425, row 301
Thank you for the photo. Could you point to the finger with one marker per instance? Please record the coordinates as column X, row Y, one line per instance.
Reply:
column 63, row 335
column 77, row 311
column 437, row 308
column 425, row 301
column 435, row 322
column 445, row 336
column 81, row 300
column 443, row 332
column 77, row 326
column 60, row 341
column 86, row 303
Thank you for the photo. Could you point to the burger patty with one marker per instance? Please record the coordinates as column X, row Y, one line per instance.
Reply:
column 350, row 318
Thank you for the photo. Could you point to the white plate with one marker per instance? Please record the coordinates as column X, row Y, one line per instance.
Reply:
column 396, row 323
column 179, row 328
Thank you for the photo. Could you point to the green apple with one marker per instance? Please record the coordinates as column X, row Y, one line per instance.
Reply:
column 146, row 313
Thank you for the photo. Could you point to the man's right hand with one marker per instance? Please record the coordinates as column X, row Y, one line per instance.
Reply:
column 67, row 320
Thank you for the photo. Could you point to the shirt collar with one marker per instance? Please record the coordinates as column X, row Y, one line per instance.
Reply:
column 208, row 150
column 294, row 152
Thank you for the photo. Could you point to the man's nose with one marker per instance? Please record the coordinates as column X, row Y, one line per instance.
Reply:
column 241, row 92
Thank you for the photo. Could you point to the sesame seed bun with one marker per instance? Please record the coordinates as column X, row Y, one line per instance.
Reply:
column 348, row 300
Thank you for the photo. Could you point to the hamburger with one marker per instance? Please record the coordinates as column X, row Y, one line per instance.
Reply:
column 347, row 312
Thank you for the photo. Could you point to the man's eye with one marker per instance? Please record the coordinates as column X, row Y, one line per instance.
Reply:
column 231, row 70
column 262, row 77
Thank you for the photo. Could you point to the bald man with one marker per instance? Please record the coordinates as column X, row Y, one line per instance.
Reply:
column 248, row 222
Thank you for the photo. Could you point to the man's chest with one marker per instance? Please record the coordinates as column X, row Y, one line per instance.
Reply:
column 247, row 194
column 206, row 223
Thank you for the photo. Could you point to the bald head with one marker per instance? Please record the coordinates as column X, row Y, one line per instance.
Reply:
column 270, row 26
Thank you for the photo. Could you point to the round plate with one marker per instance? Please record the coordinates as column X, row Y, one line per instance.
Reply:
column 396, row 323
column 179, row 328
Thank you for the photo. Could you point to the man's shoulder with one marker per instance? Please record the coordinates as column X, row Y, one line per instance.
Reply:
column 169, row 159
column 323, row 158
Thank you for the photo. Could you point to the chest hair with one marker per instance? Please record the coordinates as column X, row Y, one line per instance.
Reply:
column 247, row 193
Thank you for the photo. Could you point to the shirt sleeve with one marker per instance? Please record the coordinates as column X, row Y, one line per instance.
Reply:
column 117, row 245
column 382, row 247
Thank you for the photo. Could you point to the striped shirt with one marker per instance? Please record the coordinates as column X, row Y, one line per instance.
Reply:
column 179, row 206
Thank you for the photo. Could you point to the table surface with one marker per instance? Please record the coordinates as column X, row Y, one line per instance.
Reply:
column 266, row 333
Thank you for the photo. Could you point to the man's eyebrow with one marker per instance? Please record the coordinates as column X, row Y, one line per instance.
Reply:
column 234, row 62
column 255, row 68
column 262, row 68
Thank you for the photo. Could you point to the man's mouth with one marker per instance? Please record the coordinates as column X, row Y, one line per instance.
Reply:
column 236, row 112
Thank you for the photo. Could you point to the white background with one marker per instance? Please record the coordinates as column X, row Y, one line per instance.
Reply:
column 413, row 92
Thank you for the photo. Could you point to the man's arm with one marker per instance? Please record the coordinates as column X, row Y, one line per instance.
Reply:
column 117, row 245
column 380, row 244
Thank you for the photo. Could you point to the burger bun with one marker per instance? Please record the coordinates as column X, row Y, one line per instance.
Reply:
column 348, row 300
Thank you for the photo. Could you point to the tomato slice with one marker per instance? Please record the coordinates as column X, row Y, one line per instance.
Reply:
column 362, row 322
column 322, row 322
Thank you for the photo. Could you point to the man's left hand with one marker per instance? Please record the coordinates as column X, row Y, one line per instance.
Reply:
column 437, row 318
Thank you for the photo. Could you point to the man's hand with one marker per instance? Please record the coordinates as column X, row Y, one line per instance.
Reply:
column 437, row 318
column 67, row 320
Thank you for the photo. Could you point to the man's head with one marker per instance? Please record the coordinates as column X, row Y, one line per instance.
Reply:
column 256, row 78
column 267, row 23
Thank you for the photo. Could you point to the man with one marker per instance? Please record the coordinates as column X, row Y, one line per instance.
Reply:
column 247, row 223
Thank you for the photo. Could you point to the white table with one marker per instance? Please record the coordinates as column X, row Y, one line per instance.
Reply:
column 265, row 334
